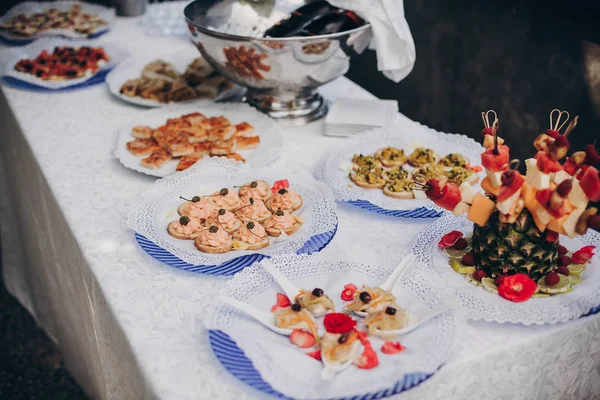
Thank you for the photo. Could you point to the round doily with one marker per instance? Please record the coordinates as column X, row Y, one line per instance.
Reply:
column 290, row 372
column 478, row 304
column 151, row 213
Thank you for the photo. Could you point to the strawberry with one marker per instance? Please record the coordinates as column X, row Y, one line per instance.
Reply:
column 368, row 359
column 496, row 161
column 302, row 339
column 583, row 255
column 591, row 155
column 546, row 164
column 392, row 348
column 282, row 302
column 281, row 184
column 590, row 183
column 315, row 354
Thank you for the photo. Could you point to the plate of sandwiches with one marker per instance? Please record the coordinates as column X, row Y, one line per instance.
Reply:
column 376, row 171
column 166, row 140
column 31, row 20
column 56, row 64
column 176, row 78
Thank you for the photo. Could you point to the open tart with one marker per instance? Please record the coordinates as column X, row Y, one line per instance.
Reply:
column 225, row 198
column 454, row 160
column 253, row 210
column 296, row 317
column 250, row 236
column 213, row 240
column 368, row 178
column 422, row 156
column 315, row 301
column 391, row 318
column 197, row 207
column 391, row 156
column 459, row 175
column 282, row 221
column 395, row 173
column 370, row 300
column 367, row 162
column 258, row 190
column 284, row 199
column 400, row 189
column 224, row 219
column 185, row 228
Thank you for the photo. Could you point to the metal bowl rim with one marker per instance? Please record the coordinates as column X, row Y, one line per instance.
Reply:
column 230, row 36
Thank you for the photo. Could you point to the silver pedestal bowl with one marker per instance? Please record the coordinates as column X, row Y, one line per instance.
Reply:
column 281, row 74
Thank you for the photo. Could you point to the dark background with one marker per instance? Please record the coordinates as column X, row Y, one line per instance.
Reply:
column 521, row 58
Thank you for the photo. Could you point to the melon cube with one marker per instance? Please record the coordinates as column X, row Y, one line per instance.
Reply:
column 486, row 185
column 481, row 209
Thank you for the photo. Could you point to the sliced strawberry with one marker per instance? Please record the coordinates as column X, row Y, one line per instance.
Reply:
column 302, row 339
column 450, row 239
column 590, row 183
column 496, row 162
column 511, row 182
column 583, row 255
column 392, row 348
column 315, row 354
column 546, row 164
column 368, row 359
column 282, row 302
column 281, row 184
column 450, row 197
column 350, row 286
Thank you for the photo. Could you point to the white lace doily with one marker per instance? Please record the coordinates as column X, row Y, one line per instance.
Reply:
column 288, row 370
column 271, row 136
column 9, row 57
column 31, row 7
column 331, row 168
column 152, row 212
column 132, row 69
column 478, row 304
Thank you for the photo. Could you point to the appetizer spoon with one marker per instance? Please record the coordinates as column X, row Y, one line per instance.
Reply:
column 288, row 287
column 263, row 317
column 394, row 277
column 416, row 320
column 330, row 370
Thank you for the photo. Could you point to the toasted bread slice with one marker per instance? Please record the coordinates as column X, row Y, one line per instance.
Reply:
column 388, row 162
column 216, row 122
column 247, row 142
column 211, row 249
column 179, row 146
column 212, row 220
column 203, row 147
column 156, row 159
column 243, row 129
column 221, row 133
column 256, row 246
column 194, row 134
column 142, row 131
column 366, row 185
column 274, row 232
column 236, row 157
column 223, row 147
column 142, row 147
column 177, row 235
column 194, row 119
column 398, row 195
column 413, row 162
column 187, row 161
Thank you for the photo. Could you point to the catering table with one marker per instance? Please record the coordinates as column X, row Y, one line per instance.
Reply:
column 129, row 327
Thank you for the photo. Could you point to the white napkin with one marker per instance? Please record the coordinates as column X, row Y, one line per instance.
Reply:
column 392, row 39
column 351, row 116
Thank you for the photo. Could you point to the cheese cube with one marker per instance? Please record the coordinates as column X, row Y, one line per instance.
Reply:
column 577, row 196
column 561, row 176
column 571, row 221
column 419, row 194
column 494, row 177
column 461, row 208
column 535, row 177
column 543, row 215
column 467, row 192
column 505, row 206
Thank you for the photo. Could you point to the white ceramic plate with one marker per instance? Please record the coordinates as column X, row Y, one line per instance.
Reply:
column 9, row 57
column 271, row 139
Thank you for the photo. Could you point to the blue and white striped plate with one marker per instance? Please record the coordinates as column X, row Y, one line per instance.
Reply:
column 421, row 212
column 231, row 267
column 239, row 365
column 94, row 80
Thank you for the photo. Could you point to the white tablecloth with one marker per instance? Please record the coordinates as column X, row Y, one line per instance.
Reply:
column 128, row 326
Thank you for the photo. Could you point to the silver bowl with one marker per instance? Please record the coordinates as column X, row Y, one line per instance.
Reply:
column 281, row 74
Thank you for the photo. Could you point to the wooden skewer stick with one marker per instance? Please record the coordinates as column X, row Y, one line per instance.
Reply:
column 571, row 125
column 557, row 126
column 495, row 133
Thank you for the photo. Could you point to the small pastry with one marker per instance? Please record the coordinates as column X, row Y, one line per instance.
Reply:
column 370, row 300
column 250, row 236
column 431, row 171
column 391, row 156
column 253, row 210
column 315, row 301
column 284, row 199
column 225, row 198
column 399, row 189
column 225, row 220
column 459, row 175
column 422, row 156
column 296, row 317
column 395, row 174
column 391, row 318
column 258, row 190
column 454, row 160
column 368, row 162
column 282, row 221
column 368, row 178
column 198, row 207
column 185, row 228
column 213, row 240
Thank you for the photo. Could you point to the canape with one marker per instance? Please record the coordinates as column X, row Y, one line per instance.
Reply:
column 258, row 190
column 400, row 189
column 213, row 240
column 225, row 198
column 224, row 219
column 197, row 207
column 185, row 228
column 422, row 156
column 250, row 236
column 391, row 156
column 284, row 199
column 282, row 221
column 253, row 210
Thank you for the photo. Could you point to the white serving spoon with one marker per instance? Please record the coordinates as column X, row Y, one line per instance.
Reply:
column 416, row 320
column 330, row 370
column 288, row 287
column 265, row 318
column 394, row 277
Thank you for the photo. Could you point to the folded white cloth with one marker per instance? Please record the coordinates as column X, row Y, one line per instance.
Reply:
column 352, row 116
column 392, row 39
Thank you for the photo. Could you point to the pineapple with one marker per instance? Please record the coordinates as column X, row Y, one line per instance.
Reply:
column 502, row 248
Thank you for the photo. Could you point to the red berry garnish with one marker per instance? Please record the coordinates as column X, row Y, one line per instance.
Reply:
column 591, row 155
column 552, row 133
column 461, row 244
column 562, row 249
column 479, row 274
column 499, row 279
column 552, row 279
column 508, row 177
column 563, row 271
column 561, row 141
column 487, row 131
column 564, row 188
column 468, row 259
column 564, row 261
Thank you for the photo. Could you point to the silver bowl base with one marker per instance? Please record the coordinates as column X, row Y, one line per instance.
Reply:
column 289, row 112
